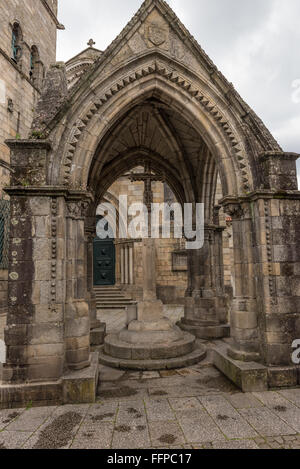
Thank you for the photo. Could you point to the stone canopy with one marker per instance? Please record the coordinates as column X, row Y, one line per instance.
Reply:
column 153, row 95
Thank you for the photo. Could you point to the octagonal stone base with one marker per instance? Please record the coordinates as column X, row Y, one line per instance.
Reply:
column 140, row 354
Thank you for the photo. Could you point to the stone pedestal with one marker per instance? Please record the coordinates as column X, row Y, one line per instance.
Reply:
column 150, row 341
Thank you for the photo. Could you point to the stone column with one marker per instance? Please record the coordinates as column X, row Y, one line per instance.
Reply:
column 244, row 318
column 91, row 297
column 131, row 264
column 77, row 319
column 98, row 329
column 205, row 302
column 126, row 264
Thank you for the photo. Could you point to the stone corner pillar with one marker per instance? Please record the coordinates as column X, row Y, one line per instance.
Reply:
column 34, row 334
column 77, row 308
column 244, row 317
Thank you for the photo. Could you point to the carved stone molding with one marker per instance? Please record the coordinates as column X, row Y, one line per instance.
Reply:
column 157, row 68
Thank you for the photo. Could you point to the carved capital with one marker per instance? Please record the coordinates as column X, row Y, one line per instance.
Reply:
column 77, row 209
column 235, row 211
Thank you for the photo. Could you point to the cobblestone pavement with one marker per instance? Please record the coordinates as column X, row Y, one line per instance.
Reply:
column 184, row 409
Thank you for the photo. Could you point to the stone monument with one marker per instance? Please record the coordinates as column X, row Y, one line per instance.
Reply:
column 150, row 341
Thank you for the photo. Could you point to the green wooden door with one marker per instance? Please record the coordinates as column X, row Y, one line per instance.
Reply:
column 104, row 262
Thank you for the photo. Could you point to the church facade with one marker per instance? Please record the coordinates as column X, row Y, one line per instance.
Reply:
column 151, row 116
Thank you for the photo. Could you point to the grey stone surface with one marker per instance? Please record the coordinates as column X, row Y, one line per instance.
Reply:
column 129, row 416
column 240, row 444
column 266, row 422
column 97, row 435
column 227, row 418
column 243, row 400
column 200, row 428
column 166, row 433
column 159, row 410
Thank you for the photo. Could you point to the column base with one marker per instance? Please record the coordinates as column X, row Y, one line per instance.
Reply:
column 253, row 376
column 206, row 331
column 75, row 387
column 97, row 335
column 243, row 356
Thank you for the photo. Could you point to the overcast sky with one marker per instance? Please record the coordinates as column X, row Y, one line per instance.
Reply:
column 256, row 44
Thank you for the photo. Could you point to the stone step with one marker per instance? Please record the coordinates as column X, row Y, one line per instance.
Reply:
column 114, row 300
column 112, row 297
column 192, row 358
column 114, row 303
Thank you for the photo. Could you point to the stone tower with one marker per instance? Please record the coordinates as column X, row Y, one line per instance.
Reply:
column 28, row 47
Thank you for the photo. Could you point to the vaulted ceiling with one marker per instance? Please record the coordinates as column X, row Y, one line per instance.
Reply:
column 152, row 130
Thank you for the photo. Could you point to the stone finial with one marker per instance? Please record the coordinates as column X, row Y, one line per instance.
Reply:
column 91, row 43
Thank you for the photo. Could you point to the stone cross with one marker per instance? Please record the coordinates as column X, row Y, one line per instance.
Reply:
column 91, row 43
column 147, row 177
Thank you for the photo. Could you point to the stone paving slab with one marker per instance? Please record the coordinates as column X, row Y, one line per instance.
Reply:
column 132, row 436
column 98, row 434
column 284, row 409
column 241, row 444
column 166, row 433
column 132, row 413
column 292, row 395
column 12, row 440
column 243, row 400
column 161, row 411
column 200, row 428
column 230, row 422
column 266, row 422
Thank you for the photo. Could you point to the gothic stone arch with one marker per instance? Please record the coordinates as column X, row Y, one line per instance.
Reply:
column 153, row 91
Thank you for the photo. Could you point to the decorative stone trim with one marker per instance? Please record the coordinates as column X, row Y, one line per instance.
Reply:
column 53, row 252
column 207, row 104
column 272, row 280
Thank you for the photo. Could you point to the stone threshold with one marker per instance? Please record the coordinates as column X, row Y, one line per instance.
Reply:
column 75, row 387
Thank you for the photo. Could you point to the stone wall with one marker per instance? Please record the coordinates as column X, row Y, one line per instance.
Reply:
column 18, row 93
